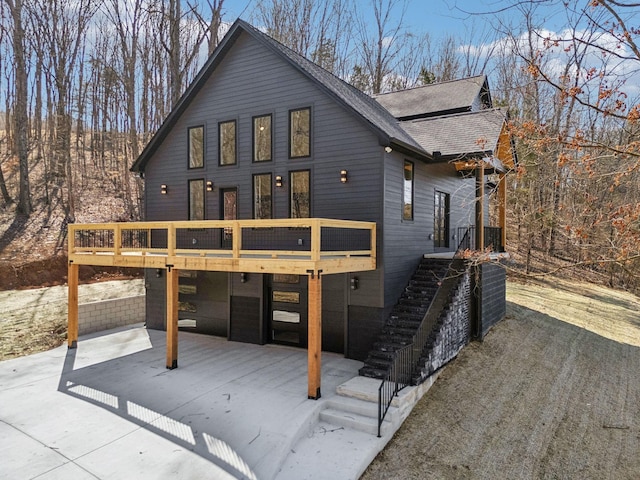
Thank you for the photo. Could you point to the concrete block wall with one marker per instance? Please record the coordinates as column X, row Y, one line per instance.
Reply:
column 106, row 314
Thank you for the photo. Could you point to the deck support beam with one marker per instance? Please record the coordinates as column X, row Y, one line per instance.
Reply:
column 314, row 349
column 72, row 308
column 172, row 318
column 502, row 209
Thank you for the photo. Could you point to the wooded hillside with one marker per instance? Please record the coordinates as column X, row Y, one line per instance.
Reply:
column 84, row 84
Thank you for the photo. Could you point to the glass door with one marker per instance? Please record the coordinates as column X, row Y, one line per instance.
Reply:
column 229, row 204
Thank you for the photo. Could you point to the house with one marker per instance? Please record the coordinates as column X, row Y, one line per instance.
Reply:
column 263, row 135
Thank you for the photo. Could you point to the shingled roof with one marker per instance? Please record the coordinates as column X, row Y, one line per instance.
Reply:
column 364, row 107
column 455, row 96
column 459, row 135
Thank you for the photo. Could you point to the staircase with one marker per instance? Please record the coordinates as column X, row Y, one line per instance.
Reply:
column 406, row 316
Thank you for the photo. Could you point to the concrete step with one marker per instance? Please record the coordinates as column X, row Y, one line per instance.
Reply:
column 354, row 421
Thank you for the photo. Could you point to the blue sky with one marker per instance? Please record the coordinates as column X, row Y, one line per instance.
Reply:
column 438, row 17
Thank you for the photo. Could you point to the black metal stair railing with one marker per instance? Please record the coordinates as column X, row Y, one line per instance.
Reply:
column 406, row 359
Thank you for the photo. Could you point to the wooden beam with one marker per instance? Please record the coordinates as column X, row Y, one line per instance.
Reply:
column 502, row 208
column 480, row 207
column 314, row 349
column 72, row 307
column 172, row 318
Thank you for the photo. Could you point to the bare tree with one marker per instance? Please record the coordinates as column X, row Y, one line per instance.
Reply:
column 380, row 47
column 20, row 116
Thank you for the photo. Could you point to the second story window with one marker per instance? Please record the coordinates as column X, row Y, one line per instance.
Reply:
column 196, row 199
column 262, row 196
column 407, row 191
column 196, row 147
column 262, row 138
column 300, row 201
column 227, row 142
column 300, row 133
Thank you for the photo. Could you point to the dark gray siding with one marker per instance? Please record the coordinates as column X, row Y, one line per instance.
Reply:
column 405, row 242
column 250, row 81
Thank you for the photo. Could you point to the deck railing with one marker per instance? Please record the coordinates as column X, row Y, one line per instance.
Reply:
column 492, row 238
column 310, row 239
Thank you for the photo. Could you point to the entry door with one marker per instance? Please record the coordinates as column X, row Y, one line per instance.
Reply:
column 288, row 310
column 229, row 205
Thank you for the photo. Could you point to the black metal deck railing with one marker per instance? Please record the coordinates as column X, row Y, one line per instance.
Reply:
column 492, row 238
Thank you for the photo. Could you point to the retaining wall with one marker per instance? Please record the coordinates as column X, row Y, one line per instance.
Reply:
column 107, row 314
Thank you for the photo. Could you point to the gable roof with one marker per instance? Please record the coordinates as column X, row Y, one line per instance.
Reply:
column 375, row 116
column 435, row 99
column 463, row 135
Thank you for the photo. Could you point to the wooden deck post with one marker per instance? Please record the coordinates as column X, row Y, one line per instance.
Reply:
column 172, row 318
column 72, row 306
column 502, row 209
column 314, row 349
column 480, row 206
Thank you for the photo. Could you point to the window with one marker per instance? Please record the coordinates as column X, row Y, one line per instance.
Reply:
column 262, row 196
column 300, row 200
column 300, row 133
column 227, row 142
column 196, row 147
column 441, row 220
column 407, row 191
column 262, row 138
column 196, row 199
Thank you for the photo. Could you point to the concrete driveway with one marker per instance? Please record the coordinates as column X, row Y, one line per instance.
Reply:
column 110, row 409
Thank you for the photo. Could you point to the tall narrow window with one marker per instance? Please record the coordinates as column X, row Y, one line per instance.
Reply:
column 196, row 199
column 227, row 142
column 300, row 201
column 196, row 147
column 262, row 196
column 262, row 138
column 300, row 133
column 407, row 191
column 441, row 220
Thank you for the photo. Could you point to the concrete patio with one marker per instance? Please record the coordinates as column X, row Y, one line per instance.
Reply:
column 110, row 409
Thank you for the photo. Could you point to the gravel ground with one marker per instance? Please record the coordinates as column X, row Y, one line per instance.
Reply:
column 553, row 392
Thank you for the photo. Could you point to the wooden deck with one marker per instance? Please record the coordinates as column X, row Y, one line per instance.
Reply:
column 295, row 246
column 309, row 246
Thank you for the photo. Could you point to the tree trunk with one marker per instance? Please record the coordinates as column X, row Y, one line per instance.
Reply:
column 20, row 118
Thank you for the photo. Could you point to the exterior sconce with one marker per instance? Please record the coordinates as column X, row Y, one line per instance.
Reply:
column 431, row 236
column 343, row 176
column 243, row 277
column 278, row 181
column 388, row 149
column 209, row 186
column 163, row 189
column 158, row 272
column 354, row 283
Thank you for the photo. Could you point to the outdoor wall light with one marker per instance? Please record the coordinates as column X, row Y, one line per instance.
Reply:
column 209, row 186
column 158, row 272
column 343, row 176
column 388, row 149
column 243, row 277
column 354, row 283
column 163, row 189
column 431, row 236
column 278, row 181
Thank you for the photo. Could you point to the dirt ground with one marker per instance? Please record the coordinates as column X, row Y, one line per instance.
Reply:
column 35, row 320
column 552, row 393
